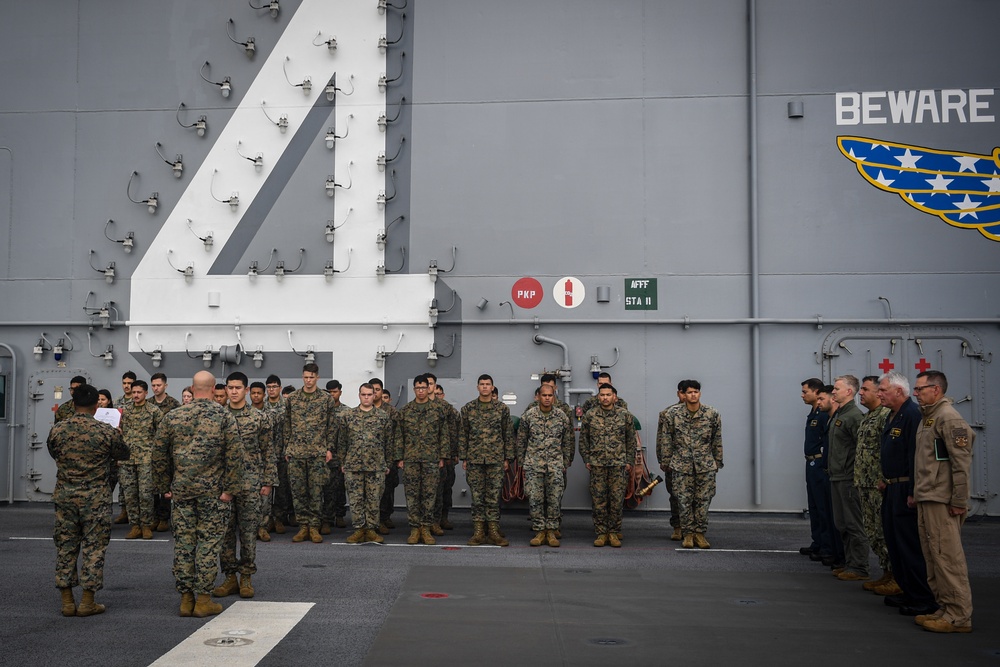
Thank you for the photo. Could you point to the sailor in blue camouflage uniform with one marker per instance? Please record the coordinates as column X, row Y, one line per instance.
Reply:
column 260, row 475
column 310, row 438
column 422, row 444
column 486, row 447
column 545, row 448
column 689, row 447
column 364, row 449
column 83, row 449
column 198, row 464
column 607, row 447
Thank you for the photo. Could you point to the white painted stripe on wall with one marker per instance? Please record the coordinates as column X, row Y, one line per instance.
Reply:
column 240, row 636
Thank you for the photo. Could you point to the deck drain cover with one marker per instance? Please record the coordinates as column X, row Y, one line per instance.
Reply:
column 747, row 602
column 228, row 642
column 577, row 571
column 608, row 641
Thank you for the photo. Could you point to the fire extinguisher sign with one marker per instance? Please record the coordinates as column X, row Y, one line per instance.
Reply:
column 568, row 292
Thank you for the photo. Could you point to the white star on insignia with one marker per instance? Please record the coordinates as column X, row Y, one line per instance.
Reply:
column 908, row 159
column 883, row 180
column 939, row 183
column 966, row 206
column 966, row 163
column 993, row 183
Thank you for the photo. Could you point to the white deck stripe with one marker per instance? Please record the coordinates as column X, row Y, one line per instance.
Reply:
column 244, row 633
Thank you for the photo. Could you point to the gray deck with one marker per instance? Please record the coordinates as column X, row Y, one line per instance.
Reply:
column 752, row 599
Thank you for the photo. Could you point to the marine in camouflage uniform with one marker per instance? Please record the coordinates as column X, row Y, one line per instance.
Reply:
column 607, row 447
column 422, row 443
column 139, row 424
column 443, row 501
column 310, row 438
column 83, row 449
column 668, row 482
column 278, row 505
column 166, row 403
column 198, row 459
column 260, row 475
column 364, row 449
column 689, row 447
column 545, row 448
column 335, row 491
column 486, row 447
column 868, row 470
column 67, row 409
column 388, row 502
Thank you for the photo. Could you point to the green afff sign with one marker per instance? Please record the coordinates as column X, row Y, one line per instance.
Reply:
column 640, row 294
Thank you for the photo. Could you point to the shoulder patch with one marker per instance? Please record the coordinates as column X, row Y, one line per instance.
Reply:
column 929, row 422
column 961, row 437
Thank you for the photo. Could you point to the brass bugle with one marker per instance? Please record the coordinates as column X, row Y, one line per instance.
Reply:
column 647, row 490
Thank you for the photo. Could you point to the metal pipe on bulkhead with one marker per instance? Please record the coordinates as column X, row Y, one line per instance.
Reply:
column 539, row 339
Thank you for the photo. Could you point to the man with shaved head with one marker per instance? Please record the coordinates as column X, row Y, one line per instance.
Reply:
column 198, row 464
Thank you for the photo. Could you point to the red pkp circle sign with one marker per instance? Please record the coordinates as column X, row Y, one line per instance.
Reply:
column 526, row 293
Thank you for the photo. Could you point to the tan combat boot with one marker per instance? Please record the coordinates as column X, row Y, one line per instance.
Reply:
column 87, row 605
column 228, row 587
column 263, row 535
column 888, row 588
column 478, row 535
column 414, row 536
column 314, row 535
column 187, row 604
column 601, row 540
column 356, row 537
column 539, row 539
column 688, row 542
column 701, row 542
column 302, row 534
column 447, row 525
column 426, row 537
column 324, row 528
column 68, row 603
column 884, row 579
column 614, row 539
column 162, row 527
column 383, row 529
column 372, row 536
column 122, row 518
column 135, row 532
column 246, row 586
column 676, row 535
column 436, row 529
column 204, row 606
column 279, row 527
column 147, row 532
column 553, row 539
column 493, row 534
